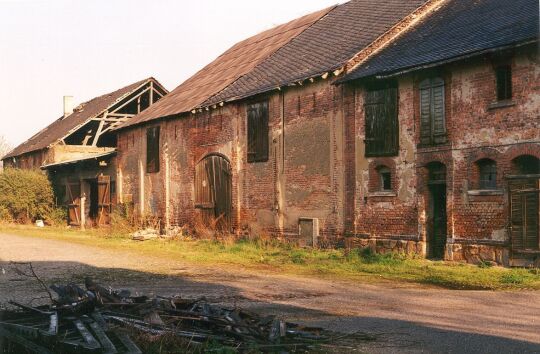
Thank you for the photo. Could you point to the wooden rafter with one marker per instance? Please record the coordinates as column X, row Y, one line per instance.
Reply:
column 110, row 118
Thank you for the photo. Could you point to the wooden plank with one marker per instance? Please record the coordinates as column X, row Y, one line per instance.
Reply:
column 108, row 346
column 128, row 344
column 91, row 342
column 104, row 199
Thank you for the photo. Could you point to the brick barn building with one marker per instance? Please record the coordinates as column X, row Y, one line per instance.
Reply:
column 409, row 126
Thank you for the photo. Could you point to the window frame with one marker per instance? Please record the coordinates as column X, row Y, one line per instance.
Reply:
column 383, row 171
column 258, row 131
column 503, row 82
column 152, row 149
column 487, row 167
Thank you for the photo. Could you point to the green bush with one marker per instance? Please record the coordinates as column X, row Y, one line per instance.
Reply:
column 5, row 215
column 27, row 196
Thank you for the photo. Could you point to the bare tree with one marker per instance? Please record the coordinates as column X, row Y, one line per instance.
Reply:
column 5, row 147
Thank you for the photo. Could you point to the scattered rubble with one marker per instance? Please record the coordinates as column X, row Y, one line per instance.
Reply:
column 145, row 234
column 98, row 319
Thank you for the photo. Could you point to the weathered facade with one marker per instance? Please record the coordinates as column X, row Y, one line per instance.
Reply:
column 283, row 148
column 78, row 151
column 419, row 133
column 464, row 182
column 452, row 198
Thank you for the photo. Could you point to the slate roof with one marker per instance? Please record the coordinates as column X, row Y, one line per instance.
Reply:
column 459, row 29
column 315, row 44
column 229, row 66
column 325, row 46
column 81, row 114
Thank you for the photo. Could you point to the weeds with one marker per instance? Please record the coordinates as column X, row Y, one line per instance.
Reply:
column 271, row 255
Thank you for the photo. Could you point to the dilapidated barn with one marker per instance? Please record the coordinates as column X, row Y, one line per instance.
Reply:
column 408, row 126
column 78, row 149
column 255, row 139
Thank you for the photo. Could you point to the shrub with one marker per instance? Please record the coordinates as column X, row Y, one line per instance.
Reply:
column 26, row 195
column 5, row 215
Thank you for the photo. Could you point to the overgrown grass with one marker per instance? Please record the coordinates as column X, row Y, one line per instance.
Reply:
column 272, row 256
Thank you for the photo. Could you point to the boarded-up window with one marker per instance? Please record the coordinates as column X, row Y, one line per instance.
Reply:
column 381, row 111
column 432, row 120
column 257, row 131
column 504, row 82
column 152, row 149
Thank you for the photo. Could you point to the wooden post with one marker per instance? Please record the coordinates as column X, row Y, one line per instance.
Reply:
column 83, row 211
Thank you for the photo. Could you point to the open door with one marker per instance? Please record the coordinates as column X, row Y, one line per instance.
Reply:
column 437, row 220
column 104, row 200
column 74, row 202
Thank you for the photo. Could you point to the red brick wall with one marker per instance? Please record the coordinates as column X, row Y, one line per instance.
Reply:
column 317, row 165
column 303, row 180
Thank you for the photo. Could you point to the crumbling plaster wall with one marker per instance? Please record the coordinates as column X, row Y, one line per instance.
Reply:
column 479, row 129
column 303, row 176
column 386, row 215
column 477, row 225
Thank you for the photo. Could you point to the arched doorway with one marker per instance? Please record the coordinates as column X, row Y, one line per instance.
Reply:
column 213, row 194
column 524, row 188
column 436, row 211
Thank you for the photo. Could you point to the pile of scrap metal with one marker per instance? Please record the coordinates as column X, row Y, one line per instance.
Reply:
column 100, row 320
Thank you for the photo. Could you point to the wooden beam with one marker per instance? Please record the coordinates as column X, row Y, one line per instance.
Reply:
column 100, row 128
column 116, row 109
column 151, row 93
column 120, row 118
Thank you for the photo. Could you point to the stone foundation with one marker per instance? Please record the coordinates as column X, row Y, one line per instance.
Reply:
column 475, row 253
column 380, row 245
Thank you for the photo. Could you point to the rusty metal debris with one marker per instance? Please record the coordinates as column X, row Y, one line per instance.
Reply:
column 97, row 319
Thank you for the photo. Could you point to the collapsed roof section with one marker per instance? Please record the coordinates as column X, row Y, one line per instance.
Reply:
column 303, row 48
column 92, row 120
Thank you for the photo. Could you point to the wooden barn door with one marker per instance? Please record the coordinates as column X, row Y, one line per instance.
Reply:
column 213, row 194
column 524, row 214
column 74, row 202
column 104, row 200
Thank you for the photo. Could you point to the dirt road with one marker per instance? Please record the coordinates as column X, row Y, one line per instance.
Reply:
column 403, row 318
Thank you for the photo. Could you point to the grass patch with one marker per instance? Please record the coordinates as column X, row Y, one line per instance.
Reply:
column 283, row 258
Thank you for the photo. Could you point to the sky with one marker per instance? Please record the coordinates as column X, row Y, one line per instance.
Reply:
column 52, row 48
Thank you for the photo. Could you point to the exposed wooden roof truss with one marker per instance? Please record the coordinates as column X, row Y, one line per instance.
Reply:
column 91, row 132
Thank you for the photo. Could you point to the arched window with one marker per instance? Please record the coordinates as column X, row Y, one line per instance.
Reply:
column 487, row 174
column 437, row 173
column 526, row 165
column 432, row 120
column 385, row 178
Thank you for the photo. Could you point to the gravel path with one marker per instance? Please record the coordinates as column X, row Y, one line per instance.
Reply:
column 403, row 318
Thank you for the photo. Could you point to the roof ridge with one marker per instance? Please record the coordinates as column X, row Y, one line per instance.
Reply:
column 330, row 9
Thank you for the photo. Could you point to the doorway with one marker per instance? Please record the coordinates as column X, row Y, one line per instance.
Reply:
column 437, row 219
column 213, row 191
column 99, row 200
column 524, row 189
